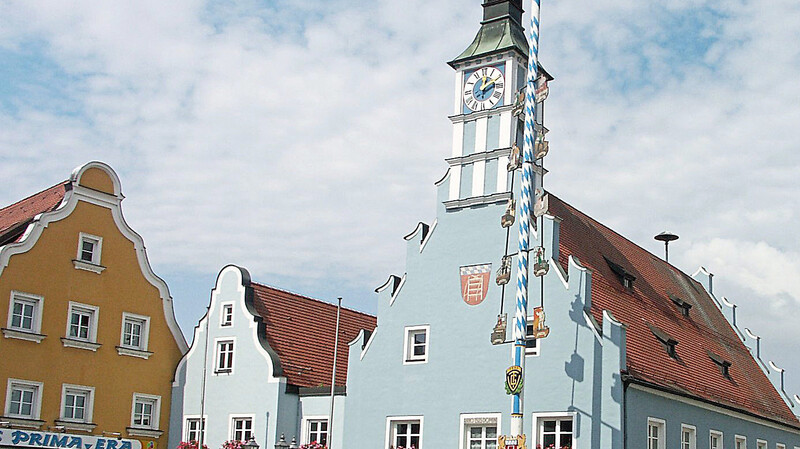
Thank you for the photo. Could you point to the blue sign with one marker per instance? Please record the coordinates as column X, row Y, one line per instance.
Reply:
column 30, row 438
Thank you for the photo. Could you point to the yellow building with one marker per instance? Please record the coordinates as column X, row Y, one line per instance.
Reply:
column 90, row 342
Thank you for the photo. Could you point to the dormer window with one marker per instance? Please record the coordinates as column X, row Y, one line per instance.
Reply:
column 724, row 365
column 683, row 305
column 625, row 277
column 666, row 340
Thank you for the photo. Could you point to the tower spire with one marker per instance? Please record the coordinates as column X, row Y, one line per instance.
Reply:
column 501, row 29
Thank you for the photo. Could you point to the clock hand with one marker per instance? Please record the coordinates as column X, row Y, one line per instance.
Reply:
column 491, row 82
column 483, row 83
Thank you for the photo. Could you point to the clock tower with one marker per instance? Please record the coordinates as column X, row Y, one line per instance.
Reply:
column 486, row 125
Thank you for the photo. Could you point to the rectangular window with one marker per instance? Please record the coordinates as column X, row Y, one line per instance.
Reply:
column 416, row 344
column 715, row 439
column 490, row 178
column 780, row 446
column 224, row 356
column 194, row 431
column 89, row 247
column 82, row 324
column 688, row 437
column 469, row 137
column 146, row 411
column 479, row 431
column 227, row 315
column 317, row 431
column 493, row 132
column 242, row 429
column 76, row 403
column 482, row 437
column 740, row 442
column 761, row 444
column 656, row 434
column 135, row 330
column 405, row 434
column 466, row 180
column 531, row 344
column 556, row 432
column 25, row 312
column 23, row 399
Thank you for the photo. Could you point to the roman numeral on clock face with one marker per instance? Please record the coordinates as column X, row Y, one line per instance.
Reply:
column 497, row 94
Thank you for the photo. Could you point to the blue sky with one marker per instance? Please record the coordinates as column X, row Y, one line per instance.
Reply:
column 287, row 136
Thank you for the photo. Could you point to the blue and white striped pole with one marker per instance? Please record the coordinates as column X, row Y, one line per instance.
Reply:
column 525, row 204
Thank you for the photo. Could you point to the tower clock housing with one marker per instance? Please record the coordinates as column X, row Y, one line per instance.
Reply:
column 489, row 73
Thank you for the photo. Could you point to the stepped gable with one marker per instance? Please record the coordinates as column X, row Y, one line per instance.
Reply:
column 15, row 218
column 301, row 330
column 649, row 307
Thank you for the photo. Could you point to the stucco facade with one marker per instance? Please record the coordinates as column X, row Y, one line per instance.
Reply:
column 275, row 381
column 90, row 340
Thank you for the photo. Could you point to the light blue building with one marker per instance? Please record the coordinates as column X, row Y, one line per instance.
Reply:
column 639, row 354
column 260, row 366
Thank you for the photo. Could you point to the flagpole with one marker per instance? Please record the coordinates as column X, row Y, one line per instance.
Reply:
column 333, row 375
column 521, row 315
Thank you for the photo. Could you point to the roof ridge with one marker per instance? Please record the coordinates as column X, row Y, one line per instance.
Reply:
column 326, row 303
column 65, row 182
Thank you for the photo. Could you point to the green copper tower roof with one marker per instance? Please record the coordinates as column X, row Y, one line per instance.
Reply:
column 501, row 29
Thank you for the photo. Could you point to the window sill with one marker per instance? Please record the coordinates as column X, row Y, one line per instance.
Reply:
column 133, row 352
column 414, row 361
column 80, row 344
column 144, row 432
column 88, row 266
column 23, row 335
column 23, row 423
column 75, row 425
column 223, row 371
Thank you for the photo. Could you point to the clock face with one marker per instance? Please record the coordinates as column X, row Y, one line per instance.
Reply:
column 484, row 88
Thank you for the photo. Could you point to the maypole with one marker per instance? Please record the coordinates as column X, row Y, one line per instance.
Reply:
column 525, row 205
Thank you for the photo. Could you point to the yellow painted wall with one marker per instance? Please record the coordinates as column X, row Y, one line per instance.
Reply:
column 47, row 270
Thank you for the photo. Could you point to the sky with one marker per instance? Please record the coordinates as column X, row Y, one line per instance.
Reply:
column 301, row 139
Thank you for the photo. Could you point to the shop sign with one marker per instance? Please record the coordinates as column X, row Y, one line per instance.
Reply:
column 35, row 439
column 511, row 442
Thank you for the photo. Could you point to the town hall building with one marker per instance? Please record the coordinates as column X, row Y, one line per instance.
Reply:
column 624, row 350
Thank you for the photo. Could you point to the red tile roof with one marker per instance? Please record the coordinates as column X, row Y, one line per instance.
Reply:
column 649, row 305
column 301, row 330
column 14, row 216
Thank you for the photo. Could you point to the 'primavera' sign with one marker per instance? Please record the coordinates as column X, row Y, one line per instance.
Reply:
column 29, row 438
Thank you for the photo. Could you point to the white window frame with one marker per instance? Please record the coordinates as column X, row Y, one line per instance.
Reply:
column 217, row 350
column 392, row 420
column 88, row 411
column 540, row 417
column 780, row 446
column 94, row 313
column 410, row 331
column 36, row 405
column 534, row 351
column 200, row 432
column 28, row 298
column 97, row 251
column 305, row 427
column 662, row 428
column 155, row 402
column 223, row 308
column 463, row 424
column 232, row 425
column 144, row 337
column 692, row 438
column 739, row 439
column 762, row 444
column 718, row 434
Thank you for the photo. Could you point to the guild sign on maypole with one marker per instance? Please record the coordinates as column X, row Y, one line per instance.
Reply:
column 524, row 222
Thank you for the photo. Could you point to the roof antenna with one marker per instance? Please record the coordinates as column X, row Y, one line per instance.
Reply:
column 666, row 237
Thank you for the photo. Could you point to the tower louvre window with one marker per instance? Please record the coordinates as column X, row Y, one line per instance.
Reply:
column 666, row 340
column 724, row 365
